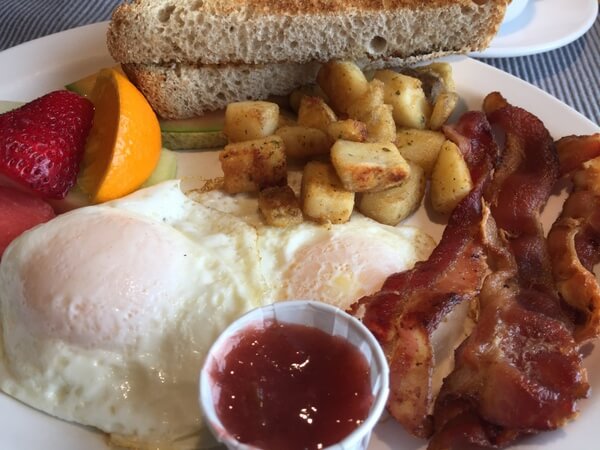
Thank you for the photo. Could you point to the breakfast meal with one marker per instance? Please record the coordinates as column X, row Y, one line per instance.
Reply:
column 111, row 272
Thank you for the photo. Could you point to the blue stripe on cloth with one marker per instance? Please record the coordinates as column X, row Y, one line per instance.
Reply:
column 571, row 73
column 22, row 21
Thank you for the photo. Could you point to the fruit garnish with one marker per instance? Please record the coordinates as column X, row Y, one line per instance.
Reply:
column 201, row 132
column 84, row 86
column 42, row 142
column 20, row 211
column 124, row 145
column 166, row 169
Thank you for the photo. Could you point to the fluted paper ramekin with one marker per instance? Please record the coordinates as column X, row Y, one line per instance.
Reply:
column 327, row 318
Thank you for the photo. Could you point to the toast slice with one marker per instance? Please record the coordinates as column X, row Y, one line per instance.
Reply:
column 203, row 32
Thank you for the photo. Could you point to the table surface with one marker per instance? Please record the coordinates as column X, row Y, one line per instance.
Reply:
column 570, row 73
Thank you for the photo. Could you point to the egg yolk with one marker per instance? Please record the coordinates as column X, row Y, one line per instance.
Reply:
column 97, row 292
column 340, row 270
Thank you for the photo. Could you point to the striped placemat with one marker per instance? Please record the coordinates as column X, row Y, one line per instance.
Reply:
column 571, row 73
column 22, row 21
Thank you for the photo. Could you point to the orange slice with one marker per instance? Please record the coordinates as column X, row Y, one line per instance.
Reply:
column 124, row 144
column 85, row 86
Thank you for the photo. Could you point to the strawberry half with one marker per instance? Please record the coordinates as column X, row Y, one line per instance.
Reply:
column 42, row 142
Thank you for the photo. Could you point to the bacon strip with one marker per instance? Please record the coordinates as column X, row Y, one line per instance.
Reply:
column 411, row 304
column 520, row 189
column 574, row 151
column 519, row 372
column 574, row 240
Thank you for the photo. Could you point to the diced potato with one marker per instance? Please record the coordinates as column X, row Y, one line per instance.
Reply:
column 249, row 120
column 431, row 83
column 323, row 198
column 315, row 113
column 253, row 165
column 349, row 130
column 312, row 90
column 420, row 146
column 286, row 118
column 436, row 79
column 405, row 94
column 442, row 70
column 370, row 109
column 280, row 206
column 368, row 167
column 450, row 179
column 362, row 108
column 304, row 142
column 343, row 82
column 442, row 109
column 393, row 205
column 381, row 126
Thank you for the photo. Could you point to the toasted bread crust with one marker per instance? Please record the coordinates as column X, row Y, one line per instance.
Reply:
column 257, row 8
column 266, row 31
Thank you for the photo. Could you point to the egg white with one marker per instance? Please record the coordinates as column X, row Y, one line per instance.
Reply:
column 107, row 312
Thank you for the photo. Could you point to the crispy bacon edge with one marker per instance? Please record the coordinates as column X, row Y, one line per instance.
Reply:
column 519, row 372
column 411, row 304
column 574, row 239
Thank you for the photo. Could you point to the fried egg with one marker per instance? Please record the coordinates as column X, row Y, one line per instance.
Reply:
column 107, row 312
column 336, row 264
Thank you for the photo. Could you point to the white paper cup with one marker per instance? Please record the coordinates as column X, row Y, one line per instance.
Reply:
column 514, row 10
column 314, row 314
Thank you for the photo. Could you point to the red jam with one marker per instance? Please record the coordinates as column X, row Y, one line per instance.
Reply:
column 288, row 386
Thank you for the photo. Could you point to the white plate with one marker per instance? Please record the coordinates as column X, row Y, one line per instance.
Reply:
column 543, row 25
column 37, row 67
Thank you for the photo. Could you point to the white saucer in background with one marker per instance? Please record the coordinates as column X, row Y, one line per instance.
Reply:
column 542, row 26
column 514, row 9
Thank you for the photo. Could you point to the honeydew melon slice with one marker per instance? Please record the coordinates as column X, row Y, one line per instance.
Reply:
column 205, row 131
column 166, row 169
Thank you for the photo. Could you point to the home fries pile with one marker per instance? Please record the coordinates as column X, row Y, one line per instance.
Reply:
column 370, row 142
